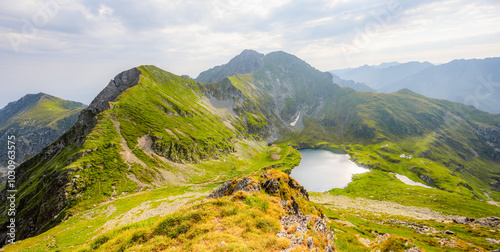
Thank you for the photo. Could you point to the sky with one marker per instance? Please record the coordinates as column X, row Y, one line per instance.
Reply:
column 73, row 48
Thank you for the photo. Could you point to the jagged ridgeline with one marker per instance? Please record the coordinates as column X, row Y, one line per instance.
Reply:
column 150, row 128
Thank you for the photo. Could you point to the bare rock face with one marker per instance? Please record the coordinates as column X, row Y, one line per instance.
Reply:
column 294, row 185
column 293, row 225
column 116, row 86
column 492, row 221
column 272, row 186
column 492, row 137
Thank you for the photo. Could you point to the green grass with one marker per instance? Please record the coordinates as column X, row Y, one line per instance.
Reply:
column 369, row 225
column 378, row 185
column 83, row 226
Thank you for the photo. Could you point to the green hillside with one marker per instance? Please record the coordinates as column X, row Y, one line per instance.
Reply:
column 36, row 120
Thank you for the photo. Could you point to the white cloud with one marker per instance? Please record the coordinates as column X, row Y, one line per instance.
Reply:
column 187, row 37
column 105, row 11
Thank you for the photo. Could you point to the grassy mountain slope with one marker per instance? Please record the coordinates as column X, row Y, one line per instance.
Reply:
column 247, row 62
column 35, row 120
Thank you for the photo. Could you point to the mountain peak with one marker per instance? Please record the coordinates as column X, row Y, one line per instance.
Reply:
column 248, row 61
column 23, row 104
column 249, row 52
column 116, row 86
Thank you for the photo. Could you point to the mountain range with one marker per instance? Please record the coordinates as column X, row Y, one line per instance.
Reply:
column 150, row 132
column 474, row 82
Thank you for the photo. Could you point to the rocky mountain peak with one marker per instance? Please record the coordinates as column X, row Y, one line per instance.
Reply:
column 116, row 86
column 246, row 62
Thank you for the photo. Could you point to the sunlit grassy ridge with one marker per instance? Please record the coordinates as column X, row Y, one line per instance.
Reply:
column 237, row 222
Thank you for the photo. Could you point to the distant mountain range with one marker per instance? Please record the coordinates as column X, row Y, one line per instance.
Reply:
column 36, row 120
column 475, row 82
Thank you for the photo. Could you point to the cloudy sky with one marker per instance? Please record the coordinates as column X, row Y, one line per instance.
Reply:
column 72, row 48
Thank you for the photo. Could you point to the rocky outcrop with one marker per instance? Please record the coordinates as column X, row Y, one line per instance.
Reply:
column 182, row 152
column 245, row 184
column 295, row 226
column 247, row 62
column 116, row 86
column 492, row 221
column 273, row 184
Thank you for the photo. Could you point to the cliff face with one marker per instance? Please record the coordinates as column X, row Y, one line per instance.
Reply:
column 36, row 120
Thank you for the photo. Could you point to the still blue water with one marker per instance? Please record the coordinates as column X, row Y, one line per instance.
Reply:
column 322, row 170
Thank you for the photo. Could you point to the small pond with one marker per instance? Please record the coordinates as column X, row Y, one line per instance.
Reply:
column 322, row 170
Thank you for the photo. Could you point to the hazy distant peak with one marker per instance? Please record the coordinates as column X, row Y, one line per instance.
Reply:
column 386, row 65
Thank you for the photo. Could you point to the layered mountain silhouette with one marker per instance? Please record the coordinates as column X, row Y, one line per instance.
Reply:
column 474, row 82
